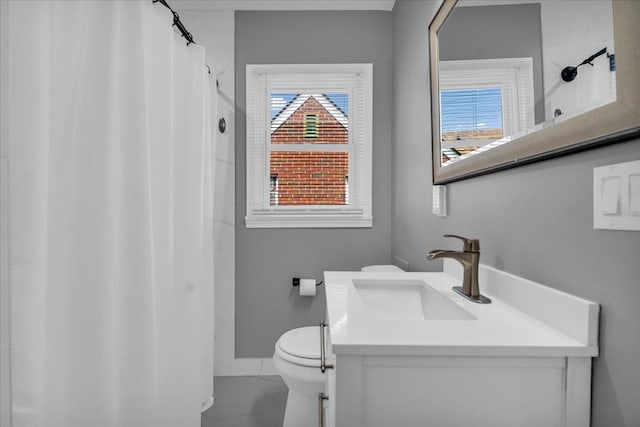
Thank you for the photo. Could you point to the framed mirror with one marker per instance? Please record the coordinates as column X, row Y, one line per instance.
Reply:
column 514, row 82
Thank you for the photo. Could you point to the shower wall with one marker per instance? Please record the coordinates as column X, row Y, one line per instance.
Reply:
column 571, row 32
column 214, row 29
column 4, row 227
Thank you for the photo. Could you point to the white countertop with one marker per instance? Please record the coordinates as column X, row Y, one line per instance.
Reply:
column 499, row 328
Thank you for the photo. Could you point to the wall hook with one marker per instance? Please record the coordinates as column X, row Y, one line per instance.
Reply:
column 569, row 74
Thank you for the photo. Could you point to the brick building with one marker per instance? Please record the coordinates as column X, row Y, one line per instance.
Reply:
column 469, row 141
column 312, row 176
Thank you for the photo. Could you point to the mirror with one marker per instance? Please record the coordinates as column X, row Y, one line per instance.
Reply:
column 513, row 82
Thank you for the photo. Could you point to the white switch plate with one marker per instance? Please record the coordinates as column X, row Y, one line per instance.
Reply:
column 439, row 204
column 616, row 196
column 634, row 190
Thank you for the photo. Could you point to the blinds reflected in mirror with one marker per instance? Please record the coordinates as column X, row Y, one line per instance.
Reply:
column 482, row 102
column 471, row 114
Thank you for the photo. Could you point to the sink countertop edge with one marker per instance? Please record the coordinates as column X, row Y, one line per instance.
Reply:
column 367, row 336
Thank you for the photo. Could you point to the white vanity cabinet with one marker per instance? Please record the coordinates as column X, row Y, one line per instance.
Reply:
column 329, row 405
column 382, row 391
column 524, row 360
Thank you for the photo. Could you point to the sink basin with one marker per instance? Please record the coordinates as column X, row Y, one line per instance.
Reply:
column 406, row 300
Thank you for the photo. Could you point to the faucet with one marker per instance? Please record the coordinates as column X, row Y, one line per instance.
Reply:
column 468, row 257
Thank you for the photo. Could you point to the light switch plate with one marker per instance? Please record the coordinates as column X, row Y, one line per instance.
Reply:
column 616, row 196
column 634, row 192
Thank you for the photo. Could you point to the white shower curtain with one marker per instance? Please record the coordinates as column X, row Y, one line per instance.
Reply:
column 110, row 199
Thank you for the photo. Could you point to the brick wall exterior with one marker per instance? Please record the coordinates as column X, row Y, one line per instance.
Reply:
column 310, row 178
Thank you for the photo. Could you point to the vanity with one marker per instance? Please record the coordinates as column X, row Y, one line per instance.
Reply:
column 405, row 350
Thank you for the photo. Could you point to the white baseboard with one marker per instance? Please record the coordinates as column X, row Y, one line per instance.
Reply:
column 245, row 367
column 208, row 404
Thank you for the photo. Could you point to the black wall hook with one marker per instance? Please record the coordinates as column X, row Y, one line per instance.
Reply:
column 569, row 74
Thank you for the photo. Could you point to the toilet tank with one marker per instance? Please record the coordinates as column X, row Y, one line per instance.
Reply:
column 381, row 268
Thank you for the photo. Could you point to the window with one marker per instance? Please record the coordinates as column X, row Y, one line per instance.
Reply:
column 482, row 102
column 309, row 145
column 310, row 125
column 474, row 113
column 273, row 190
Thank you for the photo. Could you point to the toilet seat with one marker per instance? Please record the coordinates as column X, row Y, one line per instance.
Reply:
column 300, row 346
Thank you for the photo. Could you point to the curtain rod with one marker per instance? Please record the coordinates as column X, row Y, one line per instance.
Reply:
column 177, row 23
column 180, row 26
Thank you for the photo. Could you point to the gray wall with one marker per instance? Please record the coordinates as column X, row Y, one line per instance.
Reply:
column 491, row 32
column 267, row 259
column 534, row 221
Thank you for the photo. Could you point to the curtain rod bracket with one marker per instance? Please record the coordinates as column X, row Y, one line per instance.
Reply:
column 177, row 23
column 180, row 26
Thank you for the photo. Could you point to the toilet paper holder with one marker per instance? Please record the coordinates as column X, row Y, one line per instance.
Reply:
column 296, row 282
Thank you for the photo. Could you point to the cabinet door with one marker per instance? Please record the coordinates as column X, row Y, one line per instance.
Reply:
column 329, row 404
column 456, row 391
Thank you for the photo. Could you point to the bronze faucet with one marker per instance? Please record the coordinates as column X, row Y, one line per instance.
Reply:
column 469, row 258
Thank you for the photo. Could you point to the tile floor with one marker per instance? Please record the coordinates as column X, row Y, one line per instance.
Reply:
column 247, row 402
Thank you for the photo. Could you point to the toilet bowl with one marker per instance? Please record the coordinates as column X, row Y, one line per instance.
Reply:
column 297, row 360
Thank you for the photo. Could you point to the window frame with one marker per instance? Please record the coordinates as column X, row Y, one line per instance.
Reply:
column 264, row 79
column 514, row 77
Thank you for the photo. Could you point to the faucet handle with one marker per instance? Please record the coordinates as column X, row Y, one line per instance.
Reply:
column 470, row 245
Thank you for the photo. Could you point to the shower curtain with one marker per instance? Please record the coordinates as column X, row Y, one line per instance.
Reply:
column 110, row 198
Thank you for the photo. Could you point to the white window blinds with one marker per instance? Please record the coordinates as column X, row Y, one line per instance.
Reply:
column 485, row 95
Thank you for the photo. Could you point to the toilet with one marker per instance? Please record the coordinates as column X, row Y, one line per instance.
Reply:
column 382, row 268
column 297, row 360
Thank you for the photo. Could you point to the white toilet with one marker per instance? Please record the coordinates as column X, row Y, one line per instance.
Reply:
column 297, row 360
column 381, row 268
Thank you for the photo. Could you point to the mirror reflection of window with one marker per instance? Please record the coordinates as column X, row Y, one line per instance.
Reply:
column 470, row 118
column 482, row 102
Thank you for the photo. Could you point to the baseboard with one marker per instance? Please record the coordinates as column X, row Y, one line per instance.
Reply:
column 206, row 405
column 245, row 367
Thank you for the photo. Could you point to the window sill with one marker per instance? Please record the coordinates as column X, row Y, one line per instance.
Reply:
column 308, row 220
